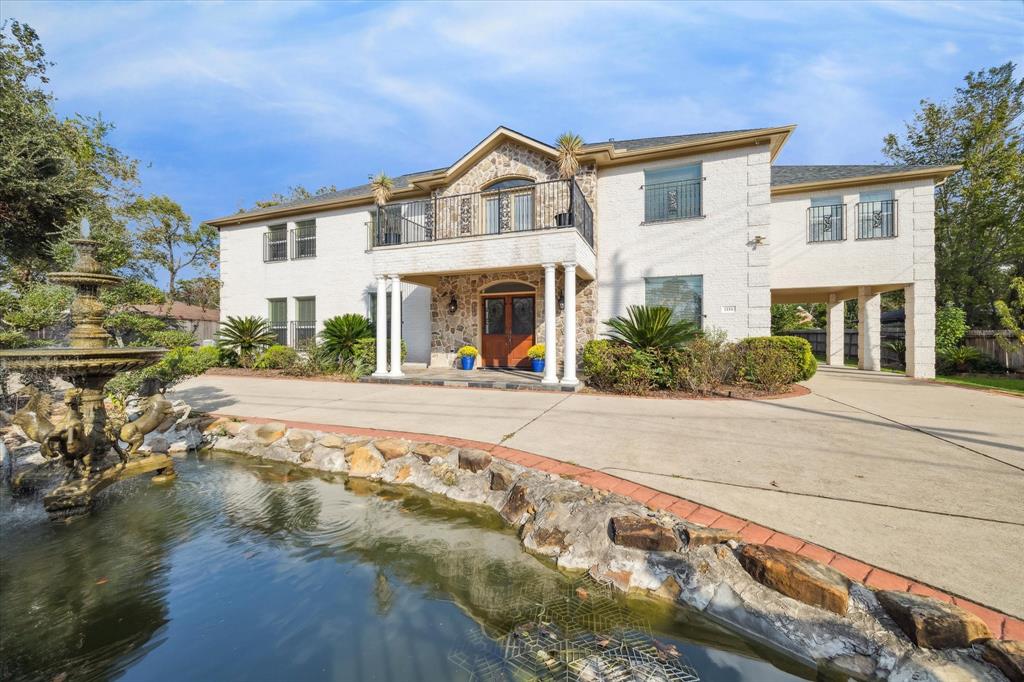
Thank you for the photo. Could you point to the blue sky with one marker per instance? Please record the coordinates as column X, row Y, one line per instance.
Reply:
column 226, row 103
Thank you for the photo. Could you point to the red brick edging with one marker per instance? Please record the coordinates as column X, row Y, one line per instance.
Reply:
column 1001, row 625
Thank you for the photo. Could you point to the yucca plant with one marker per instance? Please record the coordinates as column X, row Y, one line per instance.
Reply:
column 651, row 327
column 340, row 334
column 569, row 146
column 382, row 186
column 246, row 336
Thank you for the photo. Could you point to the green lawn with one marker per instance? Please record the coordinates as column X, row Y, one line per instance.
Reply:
column 985, row 381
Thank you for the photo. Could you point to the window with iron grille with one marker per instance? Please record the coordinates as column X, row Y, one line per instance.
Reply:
column 672, row 193
column 684, row 295
column 304, row 326
column 275, row 243
column 876, row 215
column 277, row 314
column 304, row 239
column 825, row 220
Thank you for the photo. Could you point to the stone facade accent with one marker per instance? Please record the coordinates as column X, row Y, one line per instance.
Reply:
column 449, row 331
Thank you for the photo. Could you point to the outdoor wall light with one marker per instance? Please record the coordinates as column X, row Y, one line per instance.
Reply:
column 561, row 302
column 453, row 304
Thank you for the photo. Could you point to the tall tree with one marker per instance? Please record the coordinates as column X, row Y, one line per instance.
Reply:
column 979, row 227
column 53, row 170
column 201, row 291
column 168, row 241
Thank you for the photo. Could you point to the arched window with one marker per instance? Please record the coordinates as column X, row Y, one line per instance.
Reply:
column 508, row 205
column 508, row 288
column 508, row 183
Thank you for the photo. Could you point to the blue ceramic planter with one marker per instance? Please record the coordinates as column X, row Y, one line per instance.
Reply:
column 537, row 364
column 467, row 361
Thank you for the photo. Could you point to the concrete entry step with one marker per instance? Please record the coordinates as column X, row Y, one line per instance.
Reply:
column 501, row 379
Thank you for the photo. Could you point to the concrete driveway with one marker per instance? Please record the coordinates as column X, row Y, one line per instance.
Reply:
column 922, row 479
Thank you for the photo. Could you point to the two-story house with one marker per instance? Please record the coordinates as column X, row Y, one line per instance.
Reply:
column 500, row 252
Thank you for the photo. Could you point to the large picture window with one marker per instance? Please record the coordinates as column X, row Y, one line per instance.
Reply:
column 672, row 193
column 683, row 294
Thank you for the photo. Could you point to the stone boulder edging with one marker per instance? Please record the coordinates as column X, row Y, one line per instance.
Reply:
column 626, row 543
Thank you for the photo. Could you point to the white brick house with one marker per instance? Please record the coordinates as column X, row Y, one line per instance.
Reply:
column 498, row 251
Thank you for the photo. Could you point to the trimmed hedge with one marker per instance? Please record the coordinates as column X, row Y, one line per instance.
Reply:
column 277, row 357
column 364, row 354
column 800, row 348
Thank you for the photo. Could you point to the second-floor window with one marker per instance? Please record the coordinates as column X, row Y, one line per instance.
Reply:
column 825, row 220
column 672, row 193
column 275, row 243
column 277, row 314
column 876, row 215
column 304, row 239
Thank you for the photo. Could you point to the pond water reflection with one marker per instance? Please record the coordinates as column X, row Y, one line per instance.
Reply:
column 244, row 570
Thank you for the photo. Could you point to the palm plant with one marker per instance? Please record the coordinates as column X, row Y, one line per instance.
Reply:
column 382, row 185
column 569, row 146
column 340, row 334
column 651, row 327
column 246, row 336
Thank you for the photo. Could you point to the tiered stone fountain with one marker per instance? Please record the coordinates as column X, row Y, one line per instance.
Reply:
column 85, row 438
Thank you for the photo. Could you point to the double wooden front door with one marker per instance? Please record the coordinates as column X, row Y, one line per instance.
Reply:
column 508, row 328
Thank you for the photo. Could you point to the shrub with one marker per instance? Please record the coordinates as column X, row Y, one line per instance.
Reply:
column 246, row 336
column 651, row 327
column 467, row 352
column 172, row 338
column 967, row 359
column 277, row 357
column 772, row 362
column 13, row 339
column 950, row 328
column 706, row 364
column 617, row 367
column 364, row 355
column 536, row 351
column 314, row 360
column 771, row 367
column 179, row 364
column 341, row 333
column 802, row 352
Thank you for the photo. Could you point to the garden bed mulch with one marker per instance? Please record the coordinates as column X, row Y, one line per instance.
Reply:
column 275, row 374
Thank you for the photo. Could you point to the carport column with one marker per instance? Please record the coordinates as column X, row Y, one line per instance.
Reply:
column 396, row 326
column 569, row 364
column 919, row 309
column 835, row 337
column 382, row 327
column 869, row 329
column 550, row 356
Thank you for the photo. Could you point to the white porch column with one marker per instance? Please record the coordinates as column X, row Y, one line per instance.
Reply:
column 835, row 331
column 382, row 327
column 919, row 310
column 569, row 364
column 869, row 329
column 550, row 302
column 396, row 326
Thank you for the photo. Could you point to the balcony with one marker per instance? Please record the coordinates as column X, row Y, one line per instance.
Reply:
column 825, row 223
column 275, row 246
column 302, row 333
column 876, row 219
column 522, row 209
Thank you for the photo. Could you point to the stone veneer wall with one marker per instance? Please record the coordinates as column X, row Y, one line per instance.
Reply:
column 450, row 331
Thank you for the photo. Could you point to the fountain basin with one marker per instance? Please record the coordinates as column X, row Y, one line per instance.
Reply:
column 72, row 362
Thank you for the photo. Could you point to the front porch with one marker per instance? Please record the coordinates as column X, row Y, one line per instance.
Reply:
column 496, row 378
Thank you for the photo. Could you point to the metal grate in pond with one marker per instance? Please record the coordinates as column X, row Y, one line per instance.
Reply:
column 584, row 634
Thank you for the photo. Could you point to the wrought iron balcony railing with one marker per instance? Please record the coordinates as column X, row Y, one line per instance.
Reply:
column 876, row 219
column 280, row 330
column 302, row 333
column 541, row 206
column 672, row 201
column 275, row 246
column 303, row 238
column 825, row 223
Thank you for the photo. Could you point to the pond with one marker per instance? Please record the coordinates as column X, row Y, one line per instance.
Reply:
column 242, row 570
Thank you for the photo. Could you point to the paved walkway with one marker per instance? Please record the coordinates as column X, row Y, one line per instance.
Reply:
column 922, row 479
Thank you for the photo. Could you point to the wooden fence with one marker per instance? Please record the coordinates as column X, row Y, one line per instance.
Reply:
column 982, row 339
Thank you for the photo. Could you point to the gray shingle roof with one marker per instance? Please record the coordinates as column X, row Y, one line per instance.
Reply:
column 403, row 181
column 795, row 175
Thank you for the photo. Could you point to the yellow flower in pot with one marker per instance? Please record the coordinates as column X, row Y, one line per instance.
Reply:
column 536, row 355
column 467, row 355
